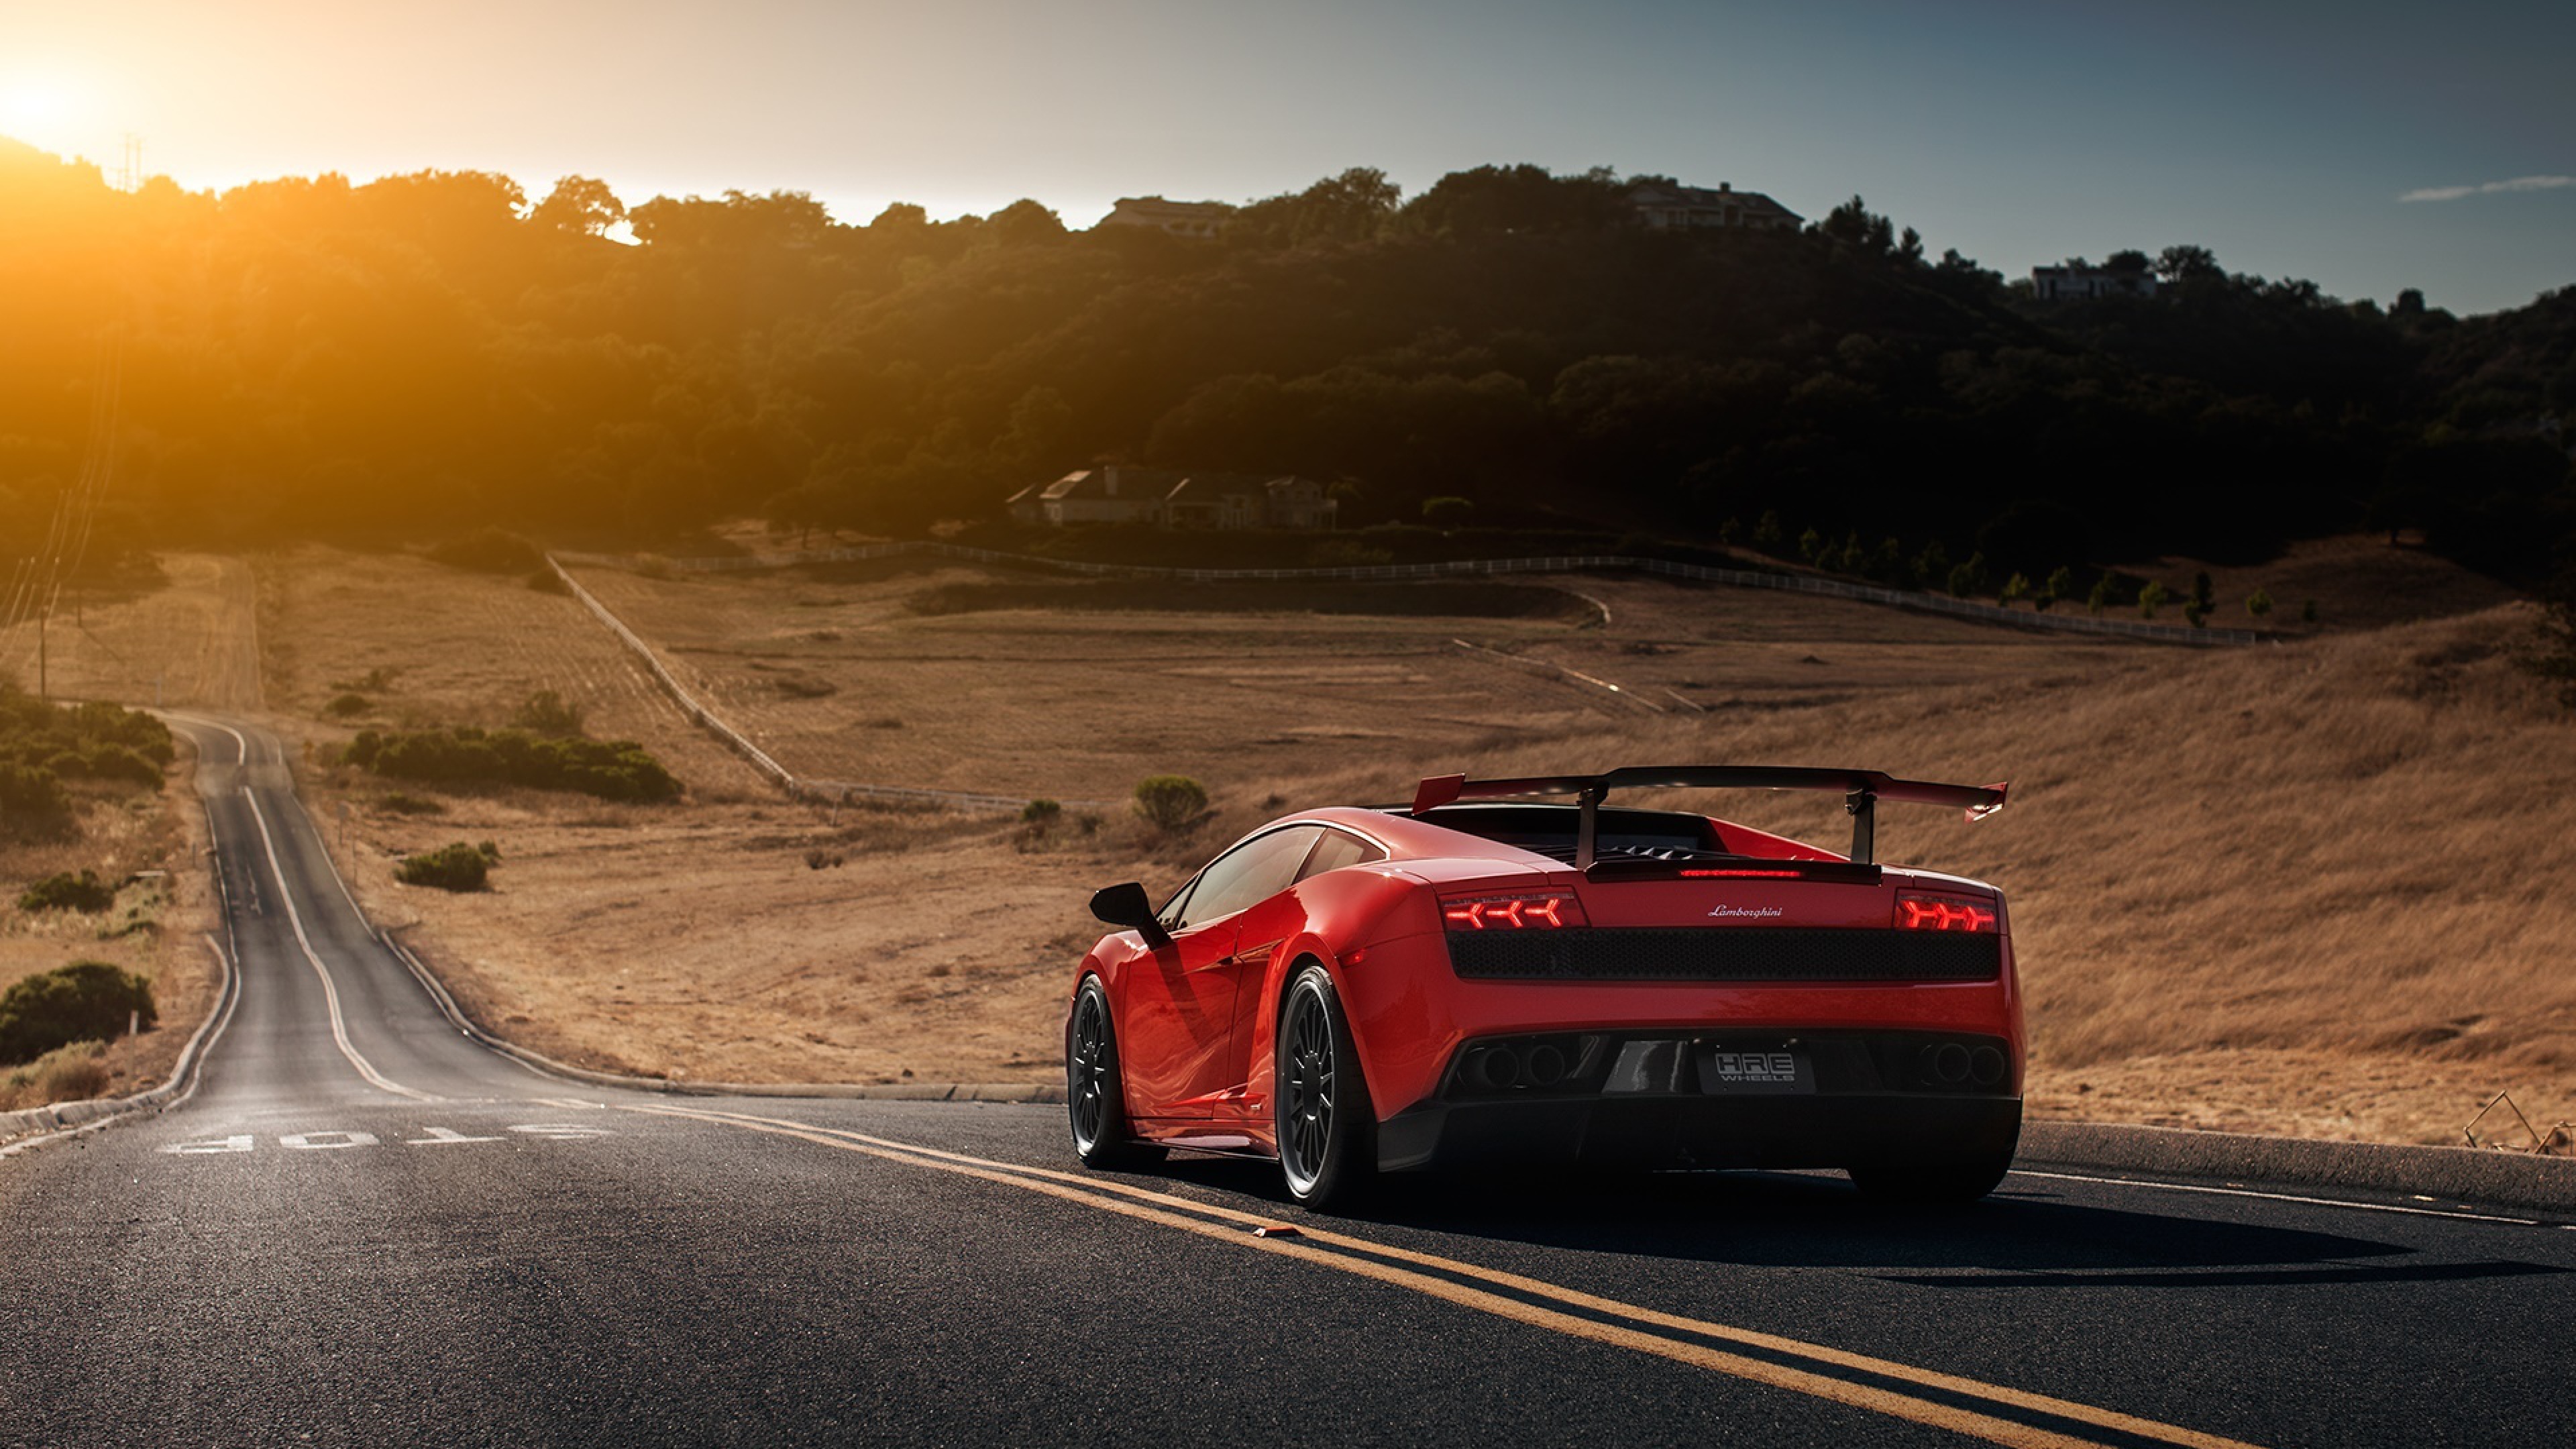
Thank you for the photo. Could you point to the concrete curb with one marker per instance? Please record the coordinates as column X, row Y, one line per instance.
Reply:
column 43, row 1124
column 2463, row 1174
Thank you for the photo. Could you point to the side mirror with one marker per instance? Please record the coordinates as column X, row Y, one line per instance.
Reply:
column 1128, row 905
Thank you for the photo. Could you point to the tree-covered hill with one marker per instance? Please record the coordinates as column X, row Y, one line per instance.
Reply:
column 431, row 352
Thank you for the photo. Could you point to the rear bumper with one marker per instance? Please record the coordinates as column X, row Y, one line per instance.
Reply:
column 1665, row 1132
column 1652, row 1100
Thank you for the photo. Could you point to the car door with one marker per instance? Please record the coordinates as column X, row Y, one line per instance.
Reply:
column 1259, row 932
column 1177, row 1016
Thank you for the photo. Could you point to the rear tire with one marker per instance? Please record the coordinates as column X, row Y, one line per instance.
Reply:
column 1930, row 1184
column 1327, row 1126
column 1095, row 1096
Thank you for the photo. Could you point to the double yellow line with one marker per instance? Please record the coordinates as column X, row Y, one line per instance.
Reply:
column 1980, row 1410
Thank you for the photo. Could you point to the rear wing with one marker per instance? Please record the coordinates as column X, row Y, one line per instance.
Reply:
column 1861, row 791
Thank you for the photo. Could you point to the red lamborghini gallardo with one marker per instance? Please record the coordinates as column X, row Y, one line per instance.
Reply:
column 1488, row 978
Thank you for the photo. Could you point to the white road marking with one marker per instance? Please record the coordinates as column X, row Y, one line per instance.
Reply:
column 330, row 988
column 572, row 1103
column 438, row 1135
column 2367, row 1207
column 307, row 1141
column 210, row 1145
column 560, row 1131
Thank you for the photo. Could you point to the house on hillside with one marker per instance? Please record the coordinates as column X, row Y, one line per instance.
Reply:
column 1171, row 498
column 2081, row 281
column 1112, row 493
column 1671, row 206
column 1197, row 220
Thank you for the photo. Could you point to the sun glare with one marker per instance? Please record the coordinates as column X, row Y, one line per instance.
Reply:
column 36, row 103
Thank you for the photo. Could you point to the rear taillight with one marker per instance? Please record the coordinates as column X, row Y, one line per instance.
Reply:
column 1546, row 911
column 1942, row 913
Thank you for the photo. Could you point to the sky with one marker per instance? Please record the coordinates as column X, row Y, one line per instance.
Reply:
column 2366, row 146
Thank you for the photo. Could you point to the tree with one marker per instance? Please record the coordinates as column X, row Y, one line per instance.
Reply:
column 2100, row 598
column 2259, row 604
column 2187, row 263
column 579, row 206
column 2204, row 593
column 1854, row 225
column 1352, row 206
column 1767, row 532
column 2016, row 588
column 1025, row 223
column 2152, row 598
column 1969, row 579
column 1517, row 198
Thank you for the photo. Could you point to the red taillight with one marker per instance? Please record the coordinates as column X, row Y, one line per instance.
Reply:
column 1937, row 913
column 1513, row 913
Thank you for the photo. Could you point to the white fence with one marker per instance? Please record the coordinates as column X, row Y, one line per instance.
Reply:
column 2071, row 623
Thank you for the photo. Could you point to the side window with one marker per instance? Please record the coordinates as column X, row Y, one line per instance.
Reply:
column 1253, row 871
column 1336, row 850
column 1175, row 912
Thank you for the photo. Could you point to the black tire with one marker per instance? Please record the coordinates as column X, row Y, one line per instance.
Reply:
column 1327, row 1127
column 1930, row 1184
column 1095, row 1096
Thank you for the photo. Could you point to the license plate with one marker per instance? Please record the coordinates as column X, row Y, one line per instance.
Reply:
column 1742, row 1069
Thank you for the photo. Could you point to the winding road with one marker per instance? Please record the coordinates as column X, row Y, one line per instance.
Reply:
column 360, row 1227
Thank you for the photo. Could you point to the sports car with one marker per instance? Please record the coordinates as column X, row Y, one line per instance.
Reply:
column 1488, row 977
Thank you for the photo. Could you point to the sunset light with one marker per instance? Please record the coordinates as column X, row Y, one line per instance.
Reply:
column 896, row 721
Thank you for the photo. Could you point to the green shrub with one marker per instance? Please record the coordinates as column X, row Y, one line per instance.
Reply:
column 546, row 713
column 348, row 704
column 31, row 794
column 402, row 804
column 1171, row 802
column 1041, row 812
column 2259, row 604
column 453, row 867
column 84, row 892
column 121, row 762
column 85, row 1001
column 467, row 756
column 66, row 1074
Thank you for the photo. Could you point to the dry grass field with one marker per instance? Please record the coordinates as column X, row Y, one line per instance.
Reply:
column 2309, row 888
column 156, row 928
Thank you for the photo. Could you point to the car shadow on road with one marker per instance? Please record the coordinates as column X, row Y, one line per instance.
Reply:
column 2027, row 1235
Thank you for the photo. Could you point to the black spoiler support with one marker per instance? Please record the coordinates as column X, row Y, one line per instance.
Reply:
column 1861, row 791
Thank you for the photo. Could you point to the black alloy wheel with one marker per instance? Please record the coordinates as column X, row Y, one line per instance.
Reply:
column 1327, row 1129
column 1094, row 1094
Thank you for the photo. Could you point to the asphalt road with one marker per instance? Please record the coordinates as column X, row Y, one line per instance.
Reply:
column 364, row 1229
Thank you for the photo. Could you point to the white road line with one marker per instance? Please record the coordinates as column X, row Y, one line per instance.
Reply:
column 295, row 918
column 2367, row 1207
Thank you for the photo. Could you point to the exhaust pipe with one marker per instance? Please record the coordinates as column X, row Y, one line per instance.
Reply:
column 1544, row 1066
column 1947, row 1063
